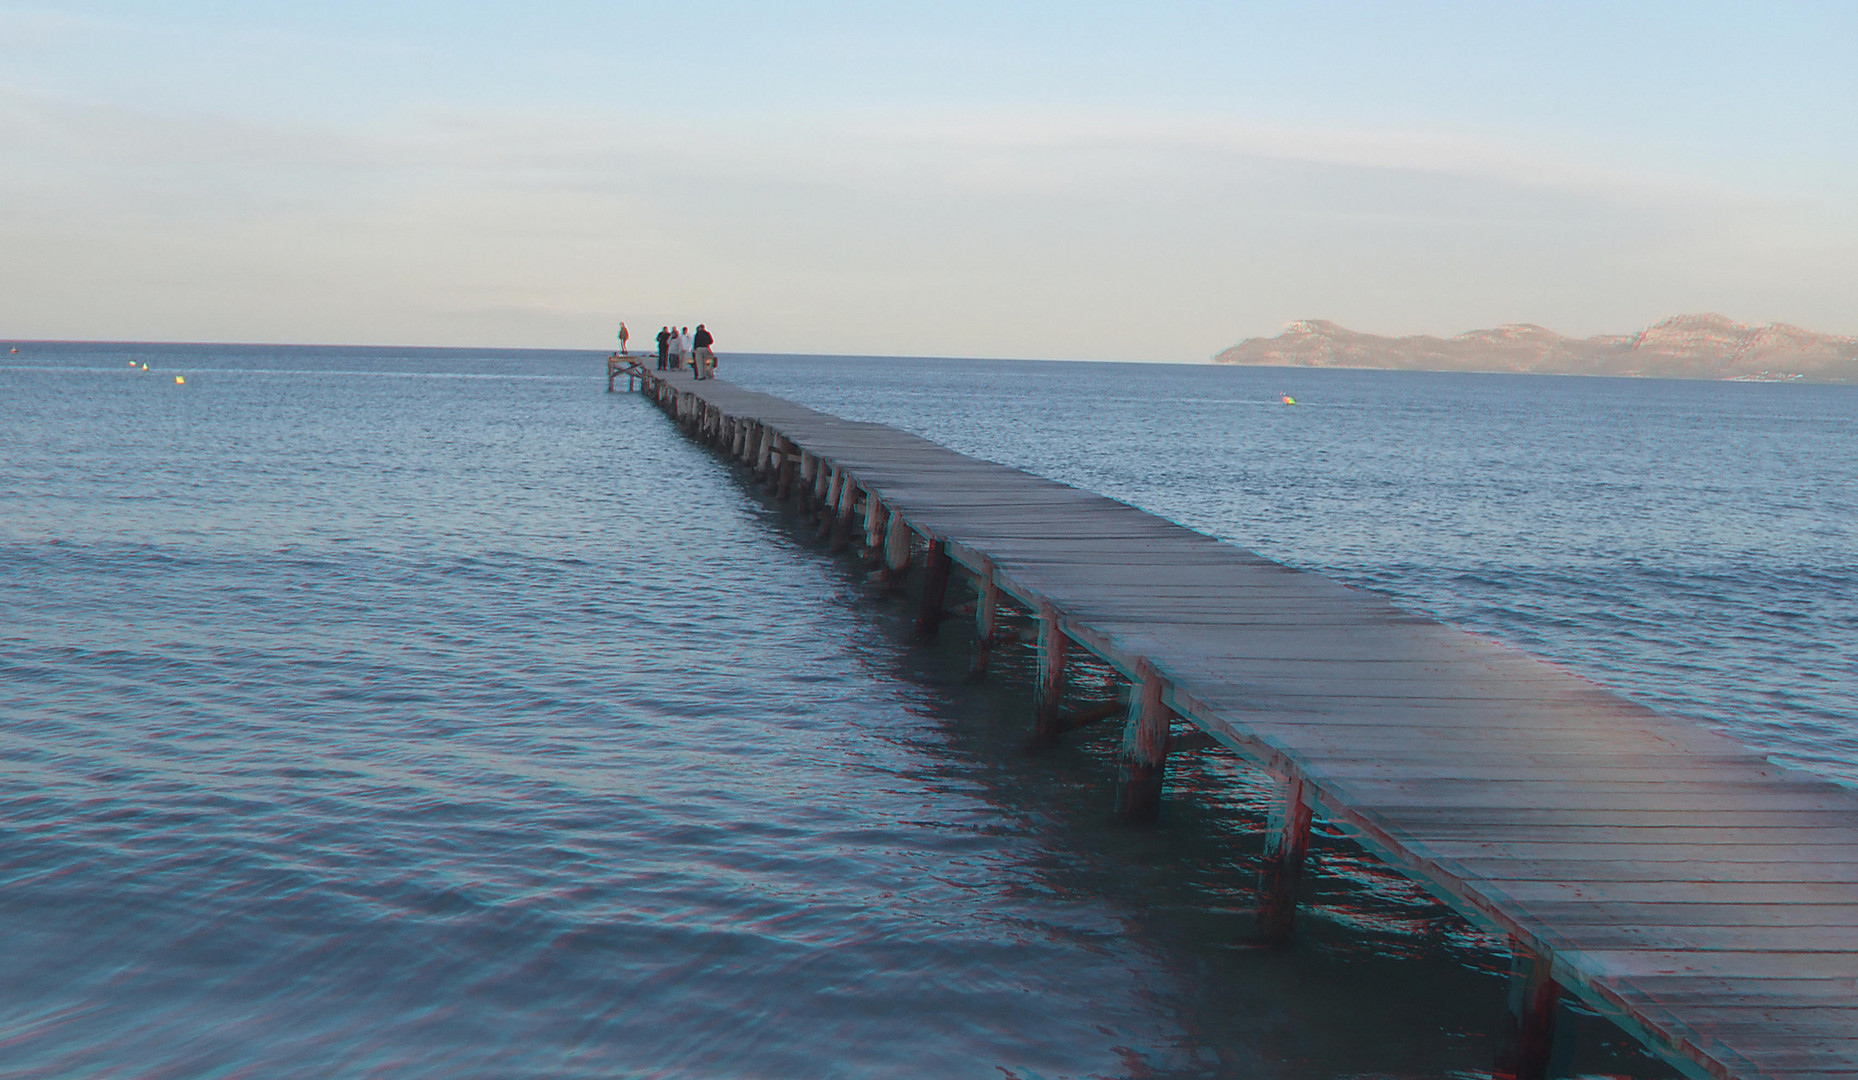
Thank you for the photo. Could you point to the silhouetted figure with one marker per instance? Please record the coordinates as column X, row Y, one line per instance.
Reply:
column 664, row 346
column 702, row 360
column 623, row 336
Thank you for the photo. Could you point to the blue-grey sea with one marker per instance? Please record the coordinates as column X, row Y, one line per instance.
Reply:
column 433, row 713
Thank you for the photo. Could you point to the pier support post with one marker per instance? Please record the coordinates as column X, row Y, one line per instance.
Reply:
column 986, row 620
column 739, row 448
column 829, row 509
column 896, row 549
column 936, row 567
column 784, row 485
column 764, row 451
column 1529, row 1024
column 1052, row 648
column 873, row 521
column 1145, row 750
column 822, row 485
column 848, row 506
column 1287, row 843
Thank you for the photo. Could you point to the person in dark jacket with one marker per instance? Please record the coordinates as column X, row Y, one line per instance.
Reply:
column 664, row 346
column 702, row 360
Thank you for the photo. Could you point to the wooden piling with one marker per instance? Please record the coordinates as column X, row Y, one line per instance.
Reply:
column 829, row 506
column 1525, row 1044
column 784, row 475
column 1049, row 690
column 936, row 567
column 848, row 506
column 764, row 452
column 986, row 619
column 1144, row 757
column 1287, row 845
column 873, row 521
column 896, row 548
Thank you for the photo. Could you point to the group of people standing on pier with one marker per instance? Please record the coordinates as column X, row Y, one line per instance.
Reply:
column 677, row 346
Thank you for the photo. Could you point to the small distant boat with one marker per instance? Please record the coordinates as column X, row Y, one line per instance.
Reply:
column 1288, row 400
column 13, row 349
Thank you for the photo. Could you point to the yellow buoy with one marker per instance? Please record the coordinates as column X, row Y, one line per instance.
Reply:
column 144, row 367
column 1288, row 400
column 178, row 381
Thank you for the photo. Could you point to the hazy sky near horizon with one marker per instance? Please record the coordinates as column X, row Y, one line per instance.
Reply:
column 1106, row 181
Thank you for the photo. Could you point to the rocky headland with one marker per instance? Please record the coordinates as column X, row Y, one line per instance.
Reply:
column 1681, row 347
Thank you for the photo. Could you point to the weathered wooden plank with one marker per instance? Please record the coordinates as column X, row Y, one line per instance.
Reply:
column 1678, row 892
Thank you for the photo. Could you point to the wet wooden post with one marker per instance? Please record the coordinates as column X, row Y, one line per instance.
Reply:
column 986, row 619
column 822, row 484
column 764, row 451
column 736, row 448
column 1287, row 845
column 1145, row 750
column 784, row 485
column 770, row 464
column 936, row 568
column 873, row 521
column 896, row 548
column 1528, row 1037
column 1053, row 645
column 848, row 506
column 808, row 466
column 829, row 508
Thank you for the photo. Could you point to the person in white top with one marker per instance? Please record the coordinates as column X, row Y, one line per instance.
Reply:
column 678, row 350
column 683, row 344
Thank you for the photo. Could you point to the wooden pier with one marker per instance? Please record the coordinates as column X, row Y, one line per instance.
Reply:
column 1701, row 897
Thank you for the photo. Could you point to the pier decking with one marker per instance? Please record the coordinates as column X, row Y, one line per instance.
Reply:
column 1701, row 897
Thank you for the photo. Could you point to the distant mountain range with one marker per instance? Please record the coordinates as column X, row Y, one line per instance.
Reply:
column 1681, row 347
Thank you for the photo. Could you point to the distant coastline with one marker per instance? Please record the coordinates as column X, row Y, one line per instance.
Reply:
column 1681, row 347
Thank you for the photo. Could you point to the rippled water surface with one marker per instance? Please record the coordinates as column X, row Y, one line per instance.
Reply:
column 433, row 713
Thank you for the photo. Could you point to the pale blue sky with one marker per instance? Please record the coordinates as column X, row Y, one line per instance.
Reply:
column 1080, row 180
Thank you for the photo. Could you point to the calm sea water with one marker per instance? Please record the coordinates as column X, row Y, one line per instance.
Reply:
column 433, row 713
